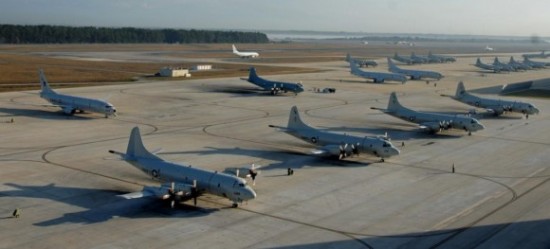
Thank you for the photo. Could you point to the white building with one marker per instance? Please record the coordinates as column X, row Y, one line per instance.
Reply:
column 202, row 67
column 174, row 72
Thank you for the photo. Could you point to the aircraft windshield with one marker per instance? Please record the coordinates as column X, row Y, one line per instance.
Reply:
column 386, row 145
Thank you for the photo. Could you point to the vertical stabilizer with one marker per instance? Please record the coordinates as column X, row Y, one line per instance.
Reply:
column 136, row 148
column 394, row 104
column 252, row 76
column 391, row 65
column 348, row 57
column 294, row 120
column 460, row 90
column 353, row 67
column 234, row 49
column 44, row 82
column 478, row 62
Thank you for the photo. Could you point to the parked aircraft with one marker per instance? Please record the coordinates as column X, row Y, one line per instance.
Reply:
column 504, row 66
column 534, row 64
column 378, row 77
column 361, row 63
column 420, row 59
column 542, row 54
column 498, row 107
column 496, row 69
column 244, row 54
column 518, row 65
column 442, row 58
column 433, row 122
column 341, row 145
column 71, row 104
column 181, row 182
column 414, row 74
column 487, row 48
column 402, row 59
column 274, row 87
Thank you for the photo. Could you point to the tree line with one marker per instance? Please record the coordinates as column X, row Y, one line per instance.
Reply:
column 25, row 34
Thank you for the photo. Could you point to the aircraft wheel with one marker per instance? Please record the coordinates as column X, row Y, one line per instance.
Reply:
column 469, row 133
column 235, row 205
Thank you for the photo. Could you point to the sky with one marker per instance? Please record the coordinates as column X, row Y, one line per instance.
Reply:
column 465, row 17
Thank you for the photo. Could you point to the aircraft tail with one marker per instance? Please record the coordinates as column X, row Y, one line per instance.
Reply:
column 348, row 58
column 391, row 65
column 460, row 90
column 353, row 67
column 393, row 103
column 478, row 62
column 44, row 82
column 294, row 120
column 252, row 76
column 234, row 49
column 136, row 148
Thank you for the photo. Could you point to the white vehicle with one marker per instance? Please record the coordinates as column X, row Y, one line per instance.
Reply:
column 244, row 54
column 71, row 104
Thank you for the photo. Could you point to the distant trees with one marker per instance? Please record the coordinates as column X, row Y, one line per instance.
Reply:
column 23, row 34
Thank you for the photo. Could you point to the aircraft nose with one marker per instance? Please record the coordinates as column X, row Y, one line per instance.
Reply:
column 249, row 194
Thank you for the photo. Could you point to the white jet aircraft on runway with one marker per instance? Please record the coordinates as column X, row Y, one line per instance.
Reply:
column 244, row 54
column 71, row 104
column 496, row 106
column 341, row 145
column 433, row 122
column 181, row 182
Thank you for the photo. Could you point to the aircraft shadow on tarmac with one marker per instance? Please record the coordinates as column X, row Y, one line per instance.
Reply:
column 283, row 159
column 396, row 134
column 523, row 234
column 103, row 205
column 244, row 91
column 53, row 115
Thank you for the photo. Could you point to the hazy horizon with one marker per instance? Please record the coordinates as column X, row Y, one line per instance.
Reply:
column 451, row 17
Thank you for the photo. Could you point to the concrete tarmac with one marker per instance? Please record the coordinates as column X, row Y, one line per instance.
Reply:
column 57, row 171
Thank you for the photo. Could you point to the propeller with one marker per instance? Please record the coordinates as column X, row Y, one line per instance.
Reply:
column 253, row 173
column 194, row 192
column 345, row 151
column 355, row 149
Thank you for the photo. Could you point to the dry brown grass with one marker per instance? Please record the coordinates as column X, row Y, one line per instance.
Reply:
column 19, row 65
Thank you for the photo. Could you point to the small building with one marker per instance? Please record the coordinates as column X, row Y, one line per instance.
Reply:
column 174, row 72
column 201, row 67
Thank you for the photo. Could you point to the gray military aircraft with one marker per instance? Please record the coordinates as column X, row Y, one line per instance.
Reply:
column 361, row 63
column 341, row 145
column 71, row 104
column 402, row 59
column 433, row 122
column 496, row 69
column 274, row 87
column 414, row 74
column 542, row 54
column 420, row 59
column 181, row 182
column 504, row 66
column 518, row 65
column 442, row 58
column 534, row 64
column 498, row 107
column 377, row 77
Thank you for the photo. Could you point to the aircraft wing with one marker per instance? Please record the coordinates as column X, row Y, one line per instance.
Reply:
column 431, row 126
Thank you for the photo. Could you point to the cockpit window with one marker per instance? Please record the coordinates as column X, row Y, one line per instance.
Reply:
column 241, row 184
column 386, row 145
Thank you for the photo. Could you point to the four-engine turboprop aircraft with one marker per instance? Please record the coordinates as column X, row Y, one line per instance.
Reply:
column 496, row 106
column 360, row 62
column 414, row 74
column 71, row 104
column 377, row 77
column 442, row 58
column 433, row 122
column 181, row 182
column 244, row 54
column 341, row 145
column 494, row 68
column 274, row 87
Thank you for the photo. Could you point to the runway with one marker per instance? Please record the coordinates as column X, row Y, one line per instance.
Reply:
column 57, row 171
